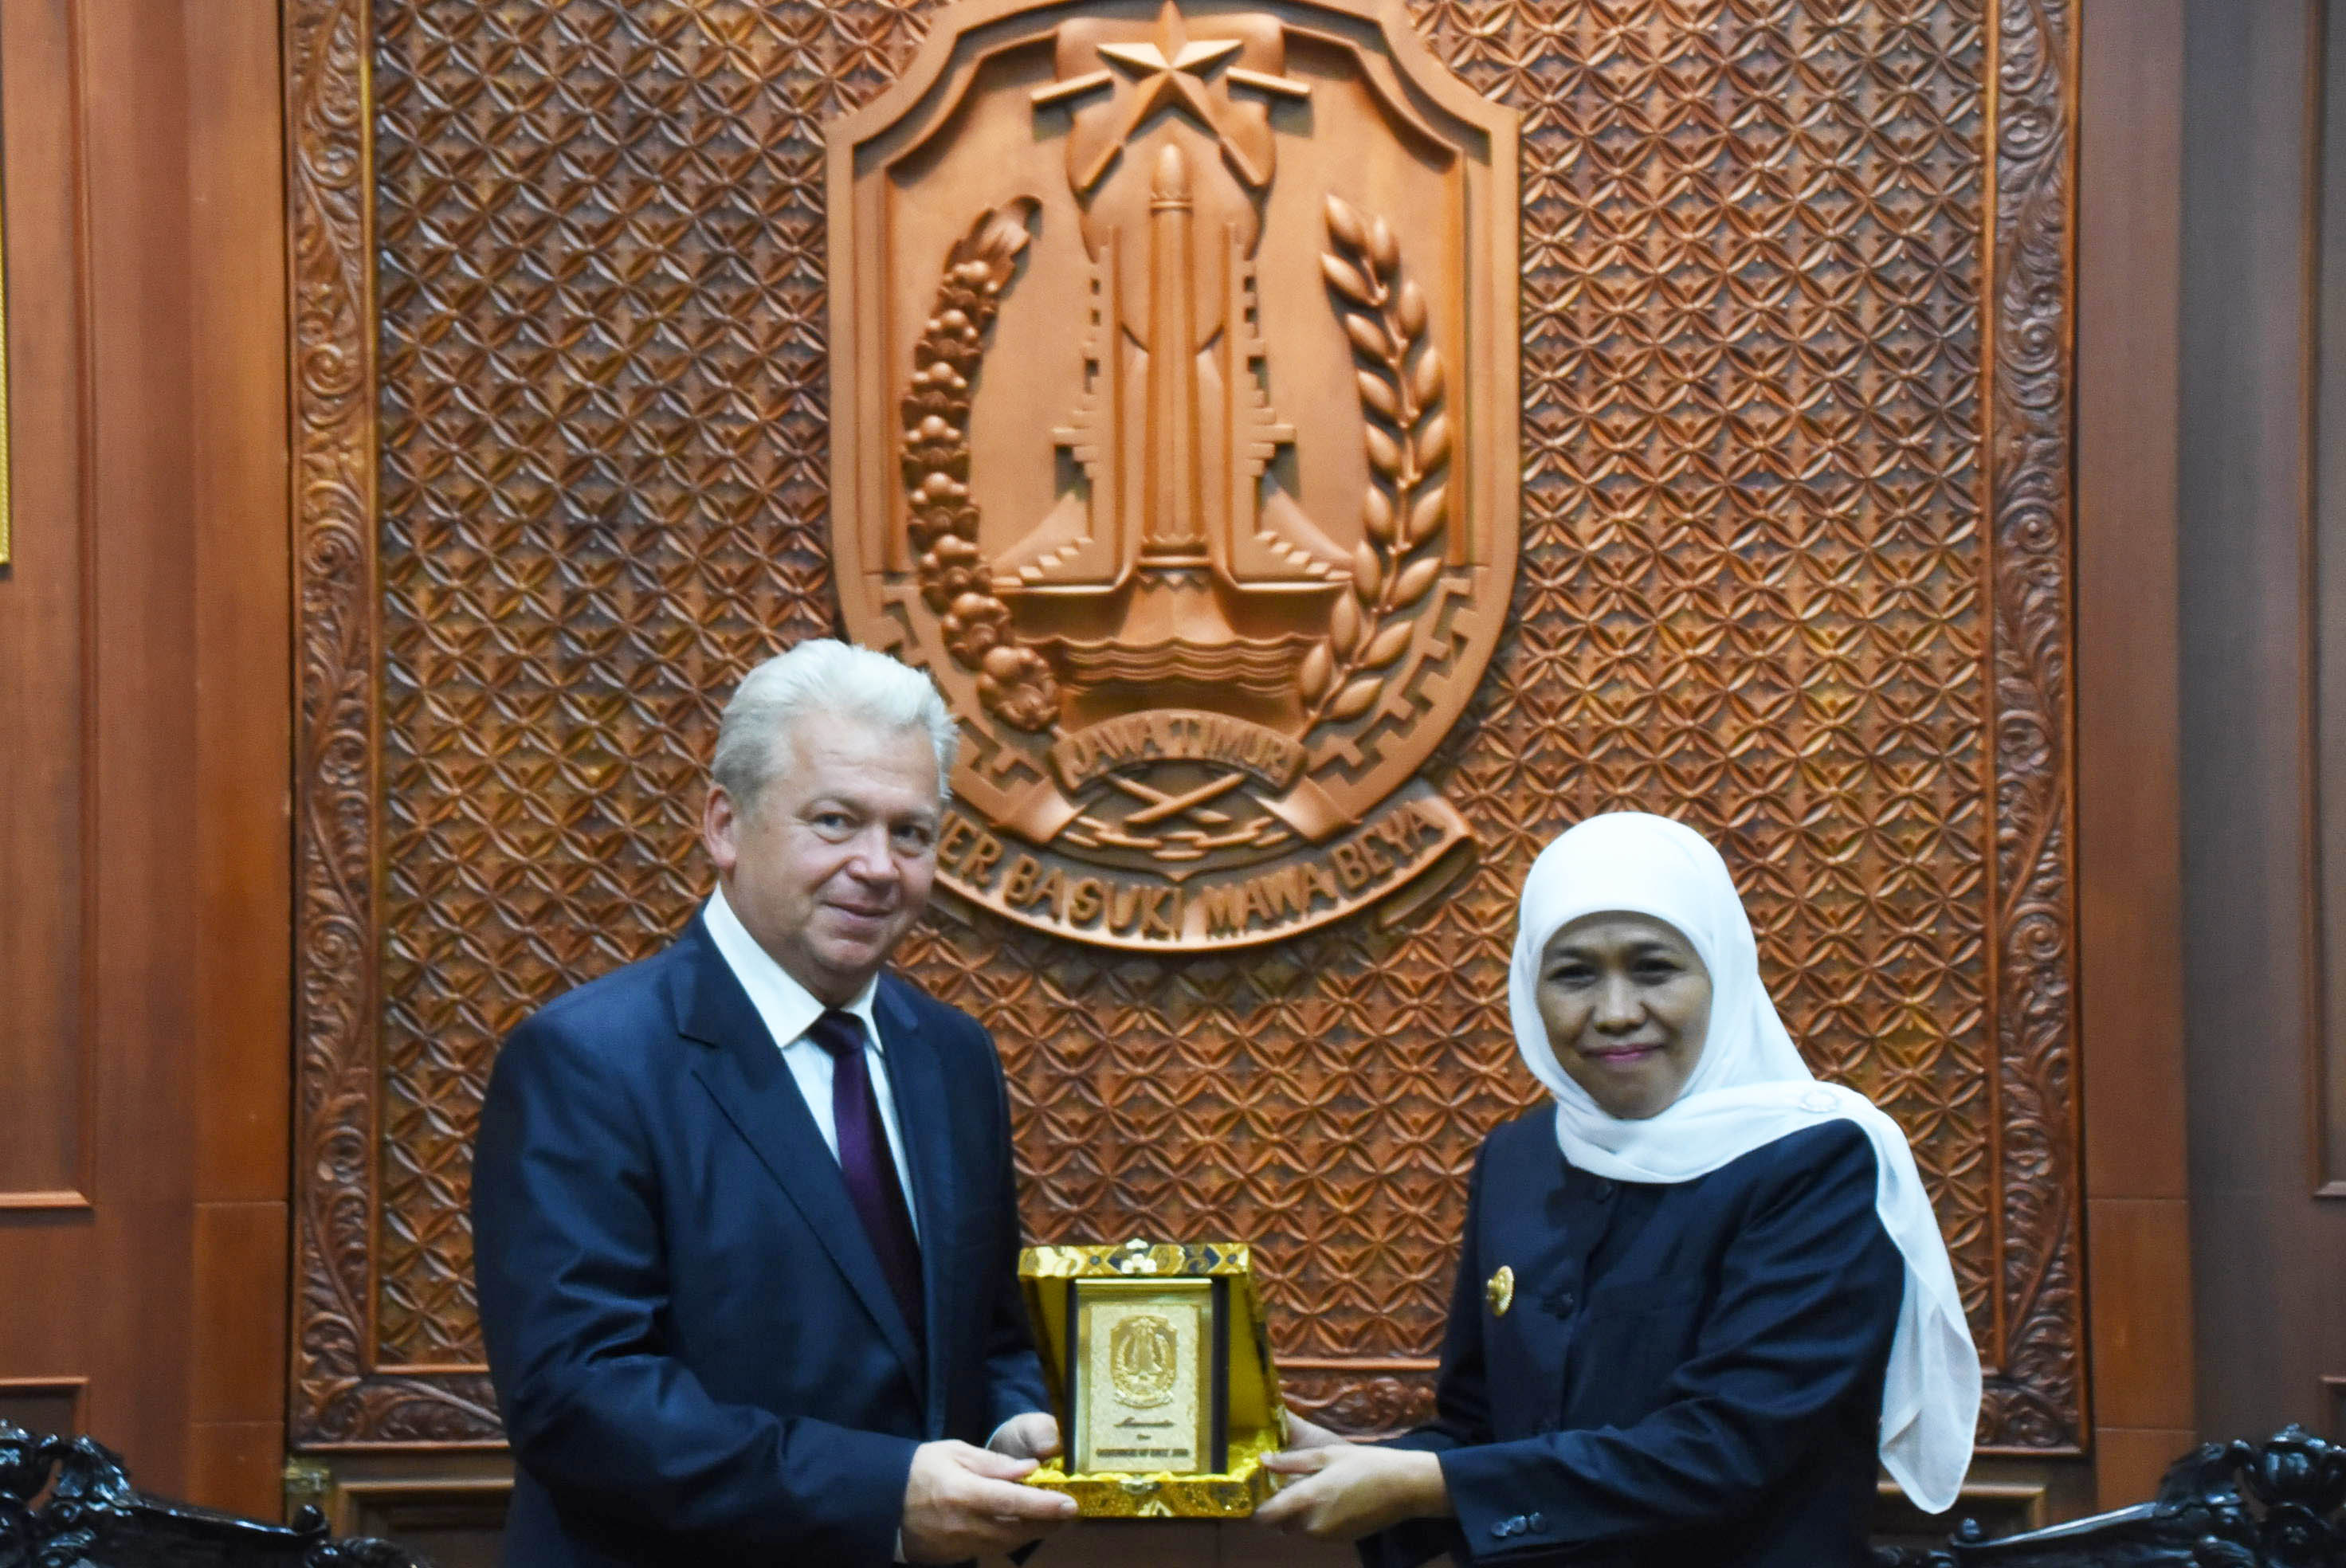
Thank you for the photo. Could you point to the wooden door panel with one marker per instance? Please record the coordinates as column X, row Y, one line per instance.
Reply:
column 45, row 633
column 144, row 744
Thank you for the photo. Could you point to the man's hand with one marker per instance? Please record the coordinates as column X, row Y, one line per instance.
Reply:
column 1034, row 1435
column 961, row 1501
column 1348, row 1490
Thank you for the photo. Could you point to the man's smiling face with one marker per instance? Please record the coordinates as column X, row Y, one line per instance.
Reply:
column 832, row 861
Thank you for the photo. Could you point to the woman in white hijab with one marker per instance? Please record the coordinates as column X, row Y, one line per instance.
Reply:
column 1684, row 1336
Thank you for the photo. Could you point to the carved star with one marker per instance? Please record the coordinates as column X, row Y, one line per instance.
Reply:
column 1171, row 70
column 1172, row 67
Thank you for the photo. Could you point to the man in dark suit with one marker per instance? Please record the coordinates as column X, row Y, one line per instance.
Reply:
column 744, row 1217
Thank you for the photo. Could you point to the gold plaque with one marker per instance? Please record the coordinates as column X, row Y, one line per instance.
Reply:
column 1145, row 1400
column 1161, row 1375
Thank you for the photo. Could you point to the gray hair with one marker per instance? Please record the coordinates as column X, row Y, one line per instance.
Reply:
column 824, row 677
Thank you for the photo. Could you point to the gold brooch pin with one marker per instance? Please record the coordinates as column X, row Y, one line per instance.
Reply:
column 1499, row 1290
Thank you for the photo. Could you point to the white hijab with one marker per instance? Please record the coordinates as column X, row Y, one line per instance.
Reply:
column 1749, row 1089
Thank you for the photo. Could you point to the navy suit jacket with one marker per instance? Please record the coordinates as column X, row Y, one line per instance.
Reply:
column 1689, row 1376
column 696, row 1353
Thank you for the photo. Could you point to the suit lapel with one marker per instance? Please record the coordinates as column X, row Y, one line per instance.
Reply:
column 917, row 1083
column 752, row 1087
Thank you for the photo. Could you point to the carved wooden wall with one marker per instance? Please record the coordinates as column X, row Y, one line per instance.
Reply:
column 1795, row 556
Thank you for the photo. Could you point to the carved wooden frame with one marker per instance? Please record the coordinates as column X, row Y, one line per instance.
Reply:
column 343, row 1401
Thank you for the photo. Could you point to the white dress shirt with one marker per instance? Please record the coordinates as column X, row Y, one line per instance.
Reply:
column 789, row 1010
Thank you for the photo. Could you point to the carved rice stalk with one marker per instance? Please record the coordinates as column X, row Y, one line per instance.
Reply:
column 1407, row 503
column 1013, row 681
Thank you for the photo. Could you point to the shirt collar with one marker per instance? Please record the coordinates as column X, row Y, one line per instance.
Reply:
column 787, row 1008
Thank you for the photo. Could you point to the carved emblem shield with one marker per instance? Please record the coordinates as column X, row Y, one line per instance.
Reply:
column 1173, row 433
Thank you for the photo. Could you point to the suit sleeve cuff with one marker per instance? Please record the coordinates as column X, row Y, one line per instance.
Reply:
column 1493, row 1518
column 860, row 1482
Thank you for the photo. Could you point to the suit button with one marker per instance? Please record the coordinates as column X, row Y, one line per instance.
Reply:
column 1602, row 1190
column 1538, row 1521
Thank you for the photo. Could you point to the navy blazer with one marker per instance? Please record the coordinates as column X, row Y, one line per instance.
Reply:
column 696, row 1353
column 1688, row 1375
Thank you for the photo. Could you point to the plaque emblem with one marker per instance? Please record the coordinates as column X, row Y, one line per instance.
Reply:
column 1174, row 434
column 1144, row 1361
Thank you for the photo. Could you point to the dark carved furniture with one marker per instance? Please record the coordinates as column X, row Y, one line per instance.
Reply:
column 68, row 1504
column 2280, row 1503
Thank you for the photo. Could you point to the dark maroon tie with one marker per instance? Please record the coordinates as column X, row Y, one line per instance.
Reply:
column 864, row 1160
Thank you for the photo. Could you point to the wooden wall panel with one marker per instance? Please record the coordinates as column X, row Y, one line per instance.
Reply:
column 45, row 630
column 2266, row 1251
column 144, row 677
column 1817, row 602
column 43, row 1404
column 242, row 847
column 2325, row 627
column 451, row 1508
column 2137, row 1220
column 93, row 608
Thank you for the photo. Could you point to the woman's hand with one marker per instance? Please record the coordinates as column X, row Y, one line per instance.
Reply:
column 1347, row 1492
column 1303, row 1435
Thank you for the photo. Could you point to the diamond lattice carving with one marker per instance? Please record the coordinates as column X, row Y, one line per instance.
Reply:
column 1768, row 581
